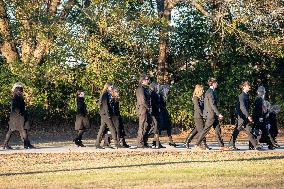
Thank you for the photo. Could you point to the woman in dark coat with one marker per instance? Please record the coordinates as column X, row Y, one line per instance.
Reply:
column 260, row 111
column 155, row 114
column 18, row 118
column 82, row 122
column 165, row 122
column 272, row 122
column 198, row 103
column 117, row 121
column 106, row 113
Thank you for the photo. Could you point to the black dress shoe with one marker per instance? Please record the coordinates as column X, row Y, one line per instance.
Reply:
column 7, row 147
column 81, row 144
column 157, row 147
column 233, row 148
column 125, row 146
column 99, row 147
column 271, row 147
column 29, row 147
column 251, row 147
column 207, row 147
column 173, row 144
column 78, row 143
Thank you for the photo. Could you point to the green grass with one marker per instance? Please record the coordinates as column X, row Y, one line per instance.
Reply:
column 134, row 169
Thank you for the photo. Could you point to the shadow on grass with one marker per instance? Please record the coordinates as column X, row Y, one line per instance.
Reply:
column 142, row 165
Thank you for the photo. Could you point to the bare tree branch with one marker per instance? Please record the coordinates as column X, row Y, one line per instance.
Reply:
column 44, row 42
column 24, row 17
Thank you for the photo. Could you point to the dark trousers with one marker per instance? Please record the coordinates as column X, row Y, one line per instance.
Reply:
column 80, row 134
column 243, row 123
column 154, row 126
column 199, row 126
column 106, row 122
column 144, row 128
column 165, row 122
column 168, row 130
column 117, row 122
column 265, row 136
column 208, row 124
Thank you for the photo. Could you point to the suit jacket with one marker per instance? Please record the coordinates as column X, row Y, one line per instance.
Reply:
column 18, row 116
column 115, row 107
column 198, row 105
column 258, row 109
column 143, row 100
column 210, row 104
column 18, row 105
column 272, row 120
column 165, row 122
column 156, row 103
column 243, row 105
column 105, row 107
column 81, row 106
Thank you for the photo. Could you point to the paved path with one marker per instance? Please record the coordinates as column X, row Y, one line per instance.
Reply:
column 243, row 146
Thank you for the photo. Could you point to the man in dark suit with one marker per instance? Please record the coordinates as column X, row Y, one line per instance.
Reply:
column 212, row 116
column 244, row 118
column 144, row 110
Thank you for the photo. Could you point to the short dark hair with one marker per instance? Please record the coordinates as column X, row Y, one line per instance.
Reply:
column 244, row 83
column 79, row 92
column 211, row 81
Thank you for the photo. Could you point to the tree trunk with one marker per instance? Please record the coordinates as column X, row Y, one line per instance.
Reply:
column 164, row 12
column 33, row 45
column 7, row 46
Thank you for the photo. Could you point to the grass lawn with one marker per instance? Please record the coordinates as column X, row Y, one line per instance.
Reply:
column 143, row 169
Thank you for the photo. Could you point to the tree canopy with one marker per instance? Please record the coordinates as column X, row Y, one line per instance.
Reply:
column 56, row 47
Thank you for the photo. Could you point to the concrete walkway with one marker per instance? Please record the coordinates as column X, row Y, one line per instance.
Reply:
column 67, row 148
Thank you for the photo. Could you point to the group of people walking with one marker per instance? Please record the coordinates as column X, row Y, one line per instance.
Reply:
column 152, row 112
column 151, row 109
column 261, row 126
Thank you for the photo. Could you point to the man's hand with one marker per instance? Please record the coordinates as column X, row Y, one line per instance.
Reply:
column 220, row 117
column 250, row 119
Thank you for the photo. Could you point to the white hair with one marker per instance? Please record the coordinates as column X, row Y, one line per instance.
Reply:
column 266, row 106
column 261, row 90
column 18, row 84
